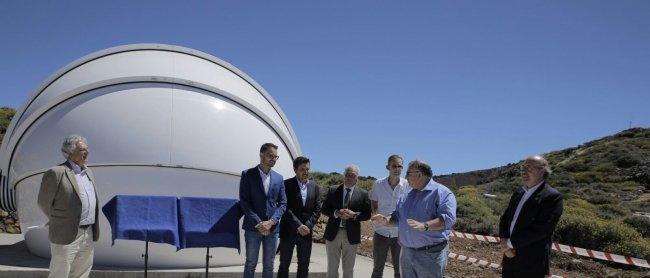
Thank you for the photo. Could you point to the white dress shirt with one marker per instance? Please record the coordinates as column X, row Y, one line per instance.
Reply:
column 303, row 191
column 527, row 193
column 343, row 200
column 387, row 197
column 266, row 180
column 86, row 194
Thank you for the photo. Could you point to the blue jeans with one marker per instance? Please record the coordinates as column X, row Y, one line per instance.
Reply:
column 253, row 241
column 424, row 263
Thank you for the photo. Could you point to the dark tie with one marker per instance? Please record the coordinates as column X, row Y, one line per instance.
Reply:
column 346, row 202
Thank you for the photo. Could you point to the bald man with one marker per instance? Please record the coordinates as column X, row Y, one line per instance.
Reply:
column 526, row 227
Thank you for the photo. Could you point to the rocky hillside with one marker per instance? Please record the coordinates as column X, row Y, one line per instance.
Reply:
column 606, row 186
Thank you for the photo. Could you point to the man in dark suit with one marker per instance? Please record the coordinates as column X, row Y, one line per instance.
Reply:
column 263, row 201
column 303, row 211
column 526, row 227
column 346, row 206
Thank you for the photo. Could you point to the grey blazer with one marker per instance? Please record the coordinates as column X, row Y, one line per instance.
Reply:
column 59, row 199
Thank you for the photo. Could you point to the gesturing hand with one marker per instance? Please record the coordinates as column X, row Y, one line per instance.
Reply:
column 380, row 218
column 415, row 224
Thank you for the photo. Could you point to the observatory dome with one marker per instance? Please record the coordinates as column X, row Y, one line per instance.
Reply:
column 160, row 120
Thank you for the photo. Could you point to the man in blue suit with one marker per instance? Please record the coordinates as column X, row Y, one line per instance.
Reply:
column 262, row 199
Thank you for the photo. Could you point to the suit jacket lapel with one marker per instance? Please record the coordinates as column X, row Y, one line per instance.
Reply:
column 257, row 176
column 296, row 188
column 528, row 208
column 310, row 196
column 339, row 197
column 513, row 206
column 72, row 179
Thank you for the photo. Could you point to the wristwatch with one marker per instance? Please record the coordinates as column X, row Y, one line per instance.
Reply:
column 426, row 226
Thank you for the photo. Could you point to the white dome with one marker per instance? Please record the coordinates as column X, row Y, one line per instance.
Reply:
column 160, row 120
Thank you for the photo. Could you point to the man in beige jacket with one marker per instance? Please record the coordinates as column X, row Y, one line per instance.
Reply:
column 69, row 200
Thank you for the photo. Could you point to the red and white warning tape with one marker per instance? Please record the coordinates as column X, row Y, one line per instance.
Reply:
column 471, row 260
column 569, row 249
column 482, row 263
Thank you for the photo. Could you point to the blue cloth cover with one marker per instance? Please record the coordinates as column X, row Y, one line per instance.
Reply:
column 209, row 222
column 153, row 218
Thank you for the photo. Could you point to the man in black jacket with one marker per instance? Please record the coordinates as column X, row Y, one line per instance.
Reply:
column 346, row 206
column 303, row 211
column 526, row 227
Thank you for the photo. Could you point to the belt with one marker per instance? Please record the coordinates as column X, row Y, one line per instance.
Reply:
column 85, row 226
column 430, row 246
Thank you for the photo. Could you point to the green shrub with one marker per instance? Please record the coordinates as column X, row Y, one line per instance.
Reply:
column 609, row 211
column 627, row 161
column 482, row 226
column 606, row 167
column 599, row 198
column 593, row 233
column 473, row 214
column 587, row 177
column 639, row 223
column 638, row 205
column 575, row 166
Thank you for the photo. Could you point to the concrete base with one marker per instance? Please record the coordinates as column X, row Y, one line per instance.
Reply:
column 16, row 261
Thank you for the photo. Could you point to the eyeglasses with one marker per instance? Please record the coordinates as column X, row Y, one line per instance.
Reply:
column 409, row 173
column 528, row 168
column 273, row 157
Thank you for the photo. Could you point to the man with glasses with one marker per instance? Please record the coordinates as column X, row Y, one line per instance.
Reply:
column 424, row 217
column 526, row 227
column 68, row 199
column 263, row 201
column 384, row 196
column 346, row 206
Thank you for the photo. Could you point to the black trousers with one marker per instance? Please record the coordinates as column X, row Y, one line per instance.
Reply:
column 381, row 245
column 303, row 246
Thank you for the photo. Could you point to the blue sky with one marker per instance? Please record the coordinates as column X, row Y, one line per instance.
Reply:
column 464, row 85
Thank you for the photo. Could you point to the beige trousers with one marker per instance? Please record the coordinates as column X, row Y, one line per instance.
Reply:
column 339, row 250
column 75, row 259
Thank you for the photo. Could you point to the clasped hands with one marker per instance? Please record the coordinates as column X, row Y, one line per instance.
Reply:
column 264, row 227
column 507, row 251
column 346, row 214
column 303, row 230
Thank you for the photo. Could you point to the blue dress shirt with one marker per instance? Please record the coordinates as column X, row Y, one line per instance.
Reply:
column 433, row 201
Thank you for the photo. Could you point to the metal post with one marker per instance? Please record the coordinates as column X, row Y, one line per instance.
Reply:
column 146, row 257
column 207, row 261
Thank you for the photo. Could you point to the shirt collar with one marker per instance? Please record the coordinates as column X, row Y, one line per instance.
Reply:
column 351, row 188
column 302, row 185
column 430, row 186
column 387, row 183
column 262, row 172
column 76, row 168
column 532, row 189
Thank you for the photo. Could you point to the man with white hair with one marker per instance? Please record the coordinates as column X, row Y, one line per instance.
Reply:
column 68, row 199
column 346, row 206
column 526, row 226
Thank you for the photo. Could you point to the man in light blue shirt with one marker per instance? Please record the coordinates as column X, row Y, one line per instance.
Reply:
column 424, row 217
